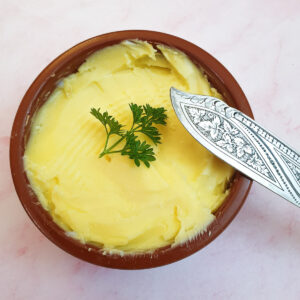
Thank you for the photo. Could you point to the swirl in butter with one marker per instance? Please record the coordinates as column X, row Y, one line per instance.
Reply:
column 111, row 202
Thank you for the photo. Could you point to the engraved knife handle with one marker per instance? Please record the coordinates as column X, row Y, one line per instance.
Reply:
column 241, row 142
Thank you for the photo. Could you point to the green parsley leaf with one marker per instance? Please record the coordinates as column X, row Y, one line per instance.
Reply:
column 112, row 126
column 143, row 119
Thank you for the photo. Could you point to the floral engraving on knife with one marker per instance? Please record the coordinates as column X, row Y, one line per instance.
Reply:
column 228, row 137
column 293, row 168
column 257, row 149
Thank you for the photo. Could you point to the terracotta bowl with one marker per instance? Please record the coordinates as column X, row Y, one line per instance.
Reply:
column 38, row 93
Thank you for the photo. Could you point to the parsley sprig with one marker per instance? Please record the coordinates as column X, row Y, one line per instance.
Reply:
column 143, row 120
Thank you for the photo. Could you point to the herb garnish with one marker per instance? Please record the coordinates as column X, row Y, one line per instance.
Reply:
column 143, row 119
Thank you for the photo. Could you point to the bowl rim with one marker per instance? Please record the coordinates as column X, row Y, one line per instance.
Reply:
column 90, row 253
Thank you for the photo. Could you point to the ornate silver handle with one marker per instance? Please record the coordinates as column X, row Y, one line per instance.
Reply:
column 241, row 142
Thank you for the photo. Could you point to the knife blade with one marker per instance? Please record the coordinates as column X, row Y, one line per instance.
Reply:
column 241, row 142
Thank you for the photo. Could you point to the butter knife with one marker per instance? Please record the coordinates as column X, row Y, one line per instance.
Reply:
column 241, row 142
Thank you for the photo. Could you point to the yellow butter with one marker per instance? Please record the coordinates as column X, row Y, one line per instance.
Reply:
column 111, row 202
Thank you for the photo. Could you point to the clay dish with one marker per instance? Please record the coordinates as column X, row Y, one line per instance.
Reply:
column 38, row 93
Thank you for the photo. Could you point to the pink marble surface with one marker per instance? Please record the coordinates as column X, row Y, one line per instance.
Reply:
column 258, row 256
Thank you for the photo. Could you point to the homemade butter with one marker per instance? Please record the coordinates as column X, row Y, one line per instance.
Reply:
column 110, row 201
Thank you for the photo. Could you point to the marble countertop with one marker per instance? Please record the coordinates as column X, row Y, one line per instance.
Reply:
column 257, row 257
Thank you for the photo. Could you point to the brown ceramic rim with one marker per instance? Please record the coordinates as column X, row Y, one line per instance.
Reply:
column 38, row 93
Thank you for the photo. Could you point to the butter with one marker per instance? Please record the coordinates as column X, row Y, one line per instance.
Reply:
column 111, row 202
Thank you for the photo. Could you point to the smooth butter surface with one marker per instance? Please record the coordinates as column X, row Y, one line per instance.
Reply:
column 112, row 202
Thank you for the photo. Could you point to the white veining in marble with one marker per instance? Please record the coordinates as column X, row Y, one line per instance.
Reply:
column 257, row 257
